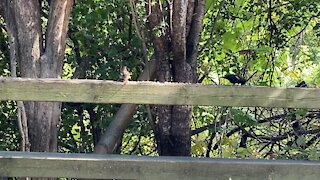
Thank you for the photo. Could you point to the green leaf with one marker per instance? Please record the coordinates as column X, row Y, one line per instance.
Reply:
column 263, row 49
column 230, row 42
column 301, row 141
column 240, row 4
column 301, row 112
column 76, row 132
column 242, row 118
column 209, row 4
column 242, row 152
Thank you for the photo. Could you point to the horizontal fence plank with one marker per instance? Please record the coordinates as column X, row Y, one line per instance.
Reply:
column 21, row 164
column 100, row 91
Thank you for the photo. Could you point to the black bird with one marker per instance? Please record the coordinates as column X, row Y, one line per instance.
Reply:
column 302, row 84
column 235, row 79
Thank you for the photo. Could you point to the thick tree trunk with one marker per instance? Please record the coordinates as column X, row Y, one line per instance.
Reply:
column 24, row 27
column 179, row 44
column 43, row 118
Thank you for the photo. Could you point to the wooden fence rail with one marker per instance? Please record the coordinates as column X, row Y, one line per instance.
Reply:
column 99, row 91
column 93, row 166
column 21, row 164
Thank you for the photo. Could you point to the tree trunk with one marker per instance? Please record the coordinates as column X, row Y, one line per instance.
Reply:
column 24, row 26
column 176, row 53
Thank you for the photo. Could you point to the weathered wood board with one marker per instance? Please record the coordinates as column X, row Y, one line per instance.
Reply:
column 99, row 91
column 93, row 166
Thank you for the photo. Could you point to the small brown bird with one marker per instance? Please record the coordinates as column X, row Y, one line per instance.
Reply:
column 125, row 75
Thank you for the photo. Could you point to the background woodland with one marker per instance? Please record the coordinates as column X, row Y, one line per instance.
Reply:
column 274, row 43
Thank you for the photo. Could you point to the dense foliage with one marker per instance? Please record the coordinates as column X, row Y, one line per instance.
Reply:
column 269, row 43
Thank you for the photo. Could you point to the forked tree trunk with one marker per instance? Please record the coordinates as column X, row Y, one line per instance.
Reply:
column 179, row 44
column 38, row 57
column 176, row 54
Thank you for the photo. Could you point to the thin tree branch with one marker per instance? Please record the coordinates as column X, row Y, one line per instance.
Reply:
column 209, row 147
column 52, row 60
column 21, row 113
column 141, row 35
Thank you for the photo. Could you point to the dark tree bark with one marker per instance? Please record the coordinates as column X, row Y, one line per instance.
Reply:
column 24, row 28
column 181, row 40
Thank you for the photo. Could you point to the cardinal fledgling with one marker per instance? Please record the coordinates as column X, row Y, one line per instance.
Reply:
column 235, row 79
column 125, row 75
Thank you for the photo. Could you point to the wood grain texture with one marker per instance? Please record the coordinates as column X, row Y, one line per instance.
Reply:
column 93, row 166
column 100, row 91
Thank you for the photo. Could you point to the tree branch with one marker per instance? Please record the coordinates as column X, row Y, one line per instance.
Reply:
column 194, row 36
column 160, row 43
column 13, row 36
column 2, row 8
column 190, row 13
column 52, row 60
column 179, row 30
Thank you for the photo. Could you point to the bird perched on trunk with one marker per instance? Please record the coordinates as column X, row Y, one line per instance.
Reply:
column 235, row 79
